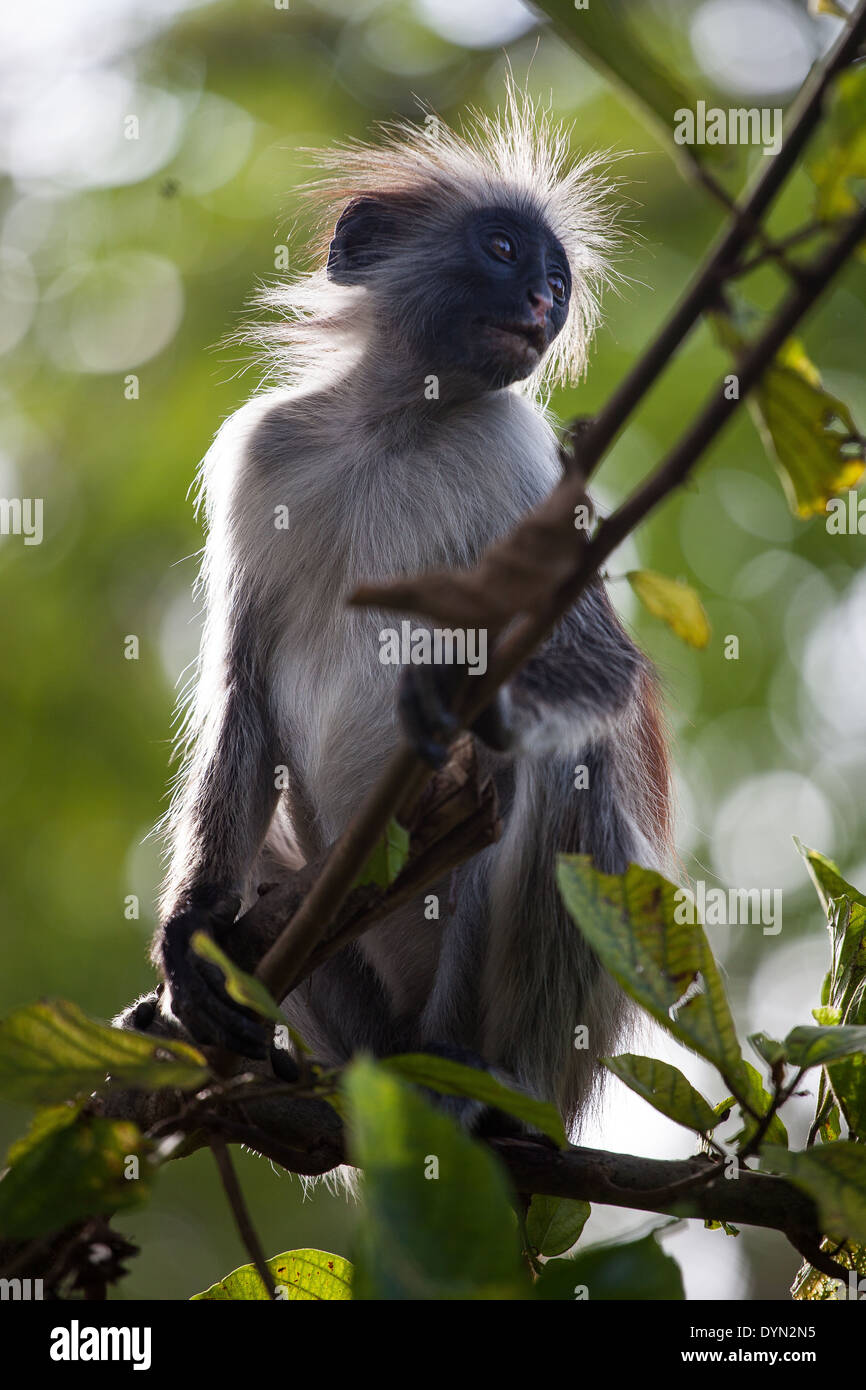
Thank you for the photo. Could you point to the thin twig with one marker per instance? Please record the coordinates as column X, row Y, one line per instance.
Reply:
column 240, row 1211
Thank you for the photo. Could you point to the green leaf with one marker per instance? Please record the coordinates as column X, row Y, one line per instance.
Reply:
column 725, row 1226
column 828, row 881
column 43, row 1123
column 834, row 1175
column 387, row 859
column 638, row 1270
column 760, row 1101
column 837, row 159
column 73, row 1171
column 675, row 603
column 666, row 1089
column 843, row 1083
column 606, row 37
column 243, row 988
column 768, row 1049
column 310, row 1275
column 847, row 925
column 638, row 924
column 51, row 1051
column 847, row 1077
column 813, row 1047
column 437, row 1222
column 554, row 1224
column 814, row 1286
column 828, row 1015
column 809, row 433
column 452, row 1078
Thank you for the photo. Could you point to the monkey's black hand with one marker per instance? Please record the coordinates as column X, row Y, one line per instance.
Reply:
column 425, row 708
column 198, row 997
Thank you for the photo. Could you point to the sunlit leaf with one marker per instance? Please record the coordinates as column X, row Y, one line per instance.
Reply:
column 243, row 988
column 828, row 881
column 637, row 925
column 675, row 603
column 666, row 1089
column 51, row 1051
column 312, row 1276
column 814, row 1286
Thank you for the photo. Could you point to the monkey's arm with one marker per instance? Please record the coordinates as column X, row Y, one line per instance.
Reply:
column 219, row 820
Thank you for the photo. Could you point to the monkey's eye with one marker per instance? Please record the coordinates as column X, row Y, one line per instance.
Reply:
column 558, row 287
column 502, row 247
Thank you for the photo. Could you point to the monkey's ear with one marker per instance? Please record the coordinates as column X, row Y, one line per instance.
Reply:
column 362, row 236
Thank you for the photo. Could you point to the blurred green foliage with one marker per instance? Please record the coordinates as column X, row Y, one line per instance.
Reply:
column 138, row 257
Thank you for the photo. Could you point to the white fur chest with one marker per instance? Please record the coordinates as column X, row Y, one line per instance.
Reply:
column 368, row 512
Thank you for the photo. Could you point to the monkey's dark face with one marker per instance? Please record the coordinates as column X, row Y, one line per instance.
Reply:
column 505, row 298
column 479, row 300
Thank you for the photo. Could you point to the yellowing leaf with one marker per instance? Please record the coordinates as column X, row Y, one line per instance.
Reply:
column 636, row 925
column 810, row 433
column 69, row 1172
column 309, row 1275
column 675, row 603
column 837, row 162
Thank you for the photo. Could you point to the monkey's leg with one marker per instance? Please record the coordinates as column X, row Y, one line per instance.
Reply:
column 220, row 820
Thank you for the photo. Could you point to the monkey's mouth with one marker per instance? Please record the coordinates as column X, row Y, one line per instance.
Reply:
column 517, row 333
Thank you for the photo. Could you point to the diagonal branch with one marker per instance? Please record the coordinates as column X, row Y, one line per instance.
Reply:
column 405, row 773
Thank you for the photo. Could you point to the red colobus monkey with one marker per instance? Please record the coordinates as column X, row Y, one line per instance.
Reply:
column 472, row 264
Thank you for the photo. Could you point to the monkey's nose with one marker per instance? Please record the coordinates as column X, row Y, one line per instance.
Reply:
column 541, row 301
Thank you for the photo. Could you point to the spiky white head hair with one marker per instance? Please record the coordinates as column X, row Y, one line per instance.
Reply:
column 518, row 157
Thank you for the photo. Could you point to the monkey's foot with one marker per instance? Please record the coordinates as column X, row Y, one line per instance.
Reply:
column 196, row 988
